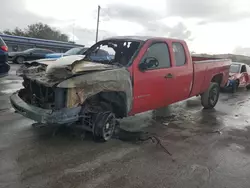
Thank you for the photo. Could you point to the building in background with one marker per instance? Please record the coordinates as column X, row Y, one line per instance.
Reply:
column 17, row 43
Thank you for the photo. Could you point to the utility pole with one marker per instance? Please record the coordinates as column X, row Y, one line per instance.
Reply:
column 97, row 26
column 73, row 32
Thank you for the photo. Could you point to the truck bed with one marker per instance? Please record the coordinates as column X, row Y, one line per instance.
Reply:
column 204, row 71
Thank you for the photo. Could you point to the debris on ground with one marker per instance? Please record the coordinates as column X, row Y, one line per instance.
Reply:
column 140, row 136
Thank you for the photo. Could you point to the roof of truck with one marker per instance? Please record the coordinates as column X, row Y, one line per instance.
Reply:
column 135, row 38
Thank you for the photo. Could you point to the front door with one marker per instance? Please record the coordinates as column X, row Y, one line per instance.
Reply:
column 154, row 87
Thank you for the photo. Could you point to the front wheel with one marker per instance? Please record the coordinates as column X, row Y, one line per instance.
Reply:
column 210, row 97
column 104, row 126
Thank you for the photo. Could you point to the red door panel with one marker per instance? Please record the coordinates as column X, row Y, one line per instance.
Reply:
column 182, row 70
column 154, row 87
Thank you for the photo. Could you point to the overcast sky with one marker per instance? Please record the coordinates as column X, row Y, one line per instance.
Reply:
column 209, row 26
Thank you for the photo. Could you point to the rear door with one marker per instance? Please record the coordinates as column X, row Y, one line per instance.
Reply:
column 182, row 70
column 154, row 87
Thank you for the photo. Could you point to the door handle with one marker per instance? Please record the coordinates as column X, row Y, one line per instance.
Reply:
column 169, row 75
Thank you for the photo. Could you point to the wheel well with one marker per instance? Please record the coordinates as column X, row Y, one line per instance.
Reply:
column 115, row 101
column 19, row 56
column 217, row 78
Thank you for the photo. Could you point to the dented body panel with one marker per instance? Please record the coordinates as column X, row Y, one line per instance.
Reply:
column 87, row 85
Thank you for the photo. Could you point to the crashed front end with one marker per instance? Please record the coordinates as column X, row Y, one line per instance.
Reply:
column 231, row 80
column 54, row 92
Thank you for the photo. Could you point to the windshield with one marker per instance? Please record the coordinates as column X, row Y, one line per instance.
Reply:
column 113, row 51
column 73, row 51
column 234, row 68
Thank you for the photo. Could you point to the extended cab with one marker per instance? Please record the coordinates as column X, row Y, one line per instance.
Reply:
column 144, row 74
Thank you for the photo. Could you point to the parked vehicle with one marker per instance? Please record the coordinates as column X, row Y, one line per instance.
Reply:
column 100, row 55
column 239, row 76
column 19, row 43
column 4, row 66
column 72, row 51
column 28, row 55
column 144, row 74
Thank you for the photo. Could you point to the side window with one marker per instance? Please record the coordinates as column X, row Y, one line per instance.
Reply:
column 45, row 52
column 248, row 69
column 160, row 52
column 179, row 54
column 37, row 51
column 243, row 69
column 101, row 53
column 34, row 51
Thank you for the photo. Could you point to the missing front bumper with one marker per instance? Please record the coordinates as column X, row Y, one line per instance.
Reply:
column 45, row 116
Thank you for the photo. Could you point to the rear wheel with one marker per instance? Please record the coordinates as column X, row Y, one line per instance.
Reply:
column 210, row 97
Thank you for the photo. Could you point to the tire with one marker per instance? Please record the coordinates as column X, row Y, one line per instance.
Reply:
column 210, row 97
column 19, row 59
column 104, row 126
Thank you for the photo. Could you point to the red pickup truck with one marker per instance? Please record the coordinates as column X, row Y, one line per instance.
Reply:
column 144, row 74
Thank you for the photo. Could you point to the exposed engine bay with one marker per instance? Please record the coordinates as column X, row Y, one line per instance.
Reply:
column 76, row 89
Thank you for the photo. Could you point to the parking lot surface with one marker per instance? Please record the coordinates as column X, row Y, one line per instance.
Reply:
column 210, row 148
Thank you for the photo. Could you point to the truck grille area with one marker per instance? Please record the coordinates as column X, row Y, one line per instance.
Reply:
column 41, row 96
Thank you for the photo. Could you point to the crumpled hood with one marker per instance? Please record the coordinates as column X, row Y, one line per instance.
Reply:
column 234, row 76
column 74, row 64
column 59, row 69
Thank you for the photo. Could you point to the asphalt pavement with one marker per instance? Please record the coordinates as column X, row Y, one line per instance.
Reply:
column 209, row 148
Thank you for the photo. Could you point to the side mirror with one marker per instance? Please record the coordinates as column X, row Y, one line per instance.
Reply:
column 149, row 62
column 143, row 66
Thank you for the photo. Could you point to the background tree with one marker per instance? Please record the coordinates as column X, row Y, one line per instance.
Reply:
column 39, row 30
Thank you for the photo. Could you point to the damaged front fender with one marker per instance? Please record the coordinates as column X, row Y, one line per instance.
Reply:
column 84, row 86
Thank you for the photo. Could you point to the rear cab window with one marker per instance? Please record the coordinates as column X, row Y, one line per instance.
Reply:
column 179, row 54
column 159, row 51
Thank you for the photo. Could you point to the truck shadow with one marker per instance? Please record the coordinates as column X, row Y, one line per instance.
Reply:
column 173, row 122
